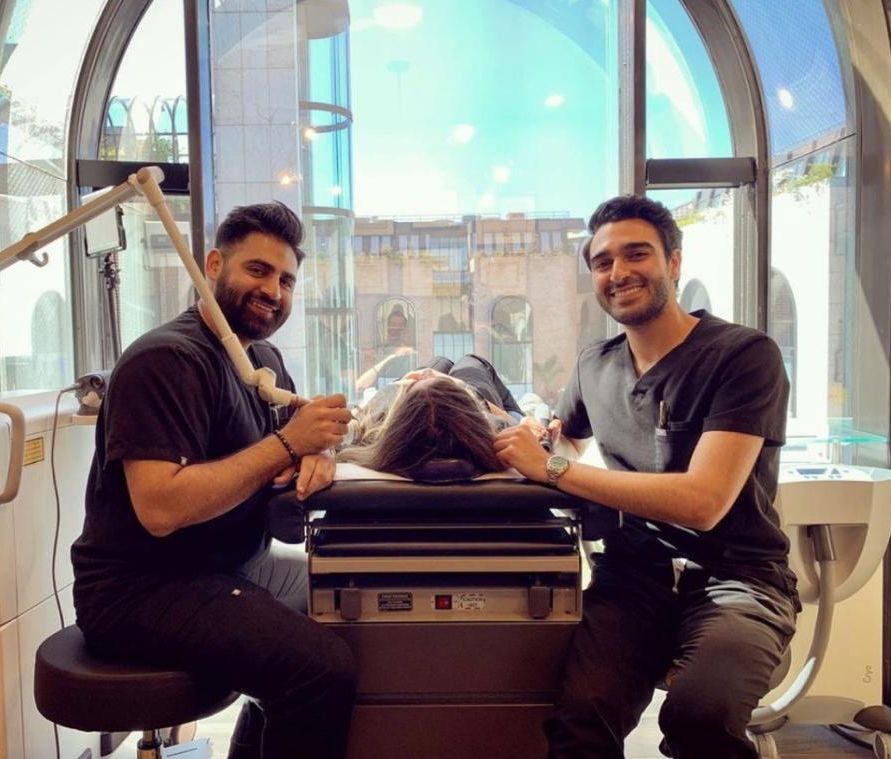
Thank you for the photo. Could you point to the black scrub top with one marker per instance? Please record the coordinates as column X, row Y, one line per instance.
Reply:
column 722, row 377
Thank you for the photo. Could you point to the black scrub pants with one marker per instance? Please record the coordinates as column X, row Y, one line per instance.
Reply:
column 481, row 376
column 246, row 631
column 716, row 643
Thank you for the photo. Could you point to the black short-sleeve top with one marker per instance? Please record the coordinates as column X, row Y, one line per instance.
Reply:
column 722, row 377
column 174, row 395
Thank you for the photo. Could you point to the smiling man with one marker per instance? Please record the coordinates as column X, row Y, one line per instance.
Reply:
column 174, row 565
column 689, row 413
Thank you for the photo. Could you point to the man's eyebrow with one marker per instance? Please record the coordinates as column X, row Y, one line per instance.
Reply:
column 633, row 245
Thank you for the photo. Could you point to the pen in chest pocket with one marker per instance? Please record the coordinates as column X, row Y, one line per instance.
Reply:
column 662, row 422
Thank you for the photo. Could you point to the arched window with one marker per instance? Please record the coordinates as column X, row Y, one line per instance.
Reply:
column 512, row 343
column 593, row 322
column 695, row 297
column 783, row 328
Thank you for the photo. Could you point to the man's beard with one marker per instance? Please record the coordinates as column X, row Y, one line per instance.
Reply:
column 235, row 306
column 645, row 313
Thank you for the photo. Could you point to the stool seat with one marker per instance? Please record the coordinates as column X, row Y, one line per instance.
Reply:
column 78, row 690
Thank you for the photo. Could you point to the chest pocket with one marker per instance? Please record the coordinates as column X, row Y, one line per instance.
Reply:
column 673, row 447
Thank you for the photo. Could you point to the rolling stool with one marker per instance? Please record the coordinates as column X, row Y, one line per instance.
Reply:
column 75, row 689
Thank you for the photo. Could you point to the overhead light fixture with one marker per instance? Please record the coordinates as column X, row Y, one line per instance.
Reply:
column 310, row 134
column 554, row 100
column 785, row 98
column 287, row 178
column 501, row 174
column 461, row 134
column 398, row 15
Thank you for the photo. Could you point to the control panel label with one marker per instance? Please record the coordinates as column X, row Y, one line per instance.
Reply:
column 394, row 601
column 33, row 451
column 469, row 601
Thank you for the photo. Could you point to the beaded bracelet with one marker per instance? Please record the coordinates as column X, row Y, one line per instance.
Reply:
column 295, row 457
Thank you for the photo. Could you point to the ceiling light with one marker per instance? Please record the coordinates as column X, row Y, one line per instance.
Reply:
column 785, row 98
column 398, row 15
column 461, row 134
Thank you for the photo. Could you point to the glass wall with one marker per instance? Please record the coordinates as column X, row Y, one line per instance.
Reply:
column 146, row 120
column 815, row 296
column 463, row 205
column 686, row 117
column 707, row 221
column 43, row 41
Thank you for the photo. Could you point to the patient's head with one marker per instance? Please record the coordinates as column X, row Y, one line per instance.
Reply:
column 431, row 418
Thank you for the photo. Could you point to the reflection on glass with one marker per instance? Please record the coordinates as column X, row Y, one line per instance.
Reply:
column 814, row 295
column 686, row 117
column 799, row 64
column 43, row 40
column 36, row 351
column 154, row 285
column 451, row 201
column 146, row 116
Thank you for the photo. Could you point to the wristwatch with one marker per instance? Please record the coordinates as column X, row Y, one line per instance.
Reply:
column 555, row 468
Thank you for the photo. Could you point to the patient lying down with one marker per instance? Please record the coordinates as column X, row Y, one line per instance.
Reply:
column 429, row 415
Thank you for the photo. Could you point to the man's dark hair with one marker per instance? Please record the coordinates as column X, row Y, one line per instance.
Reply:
column 625, row 207
column 274, row 219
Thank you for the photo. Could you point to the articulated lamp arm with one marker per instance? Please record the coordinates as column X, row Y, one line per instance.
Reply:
column 144, row 182
column 263, row 378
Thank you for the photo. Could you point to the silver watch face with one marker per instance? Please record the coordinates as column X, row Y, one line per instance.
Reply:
column 556, row 466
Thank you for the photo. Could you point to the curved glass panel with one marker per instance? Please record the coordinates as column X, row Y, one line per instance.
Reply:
column 447, row 198
column 817, row 304
column 686, row 117
column 145, row 120
column 154, row 285
column 43, row 40
column 798, row 60
column 149, row 87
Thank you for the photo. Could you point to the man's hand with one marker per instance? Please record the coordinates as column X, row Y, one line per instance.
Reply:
column 316, row 473
column 319, row 425
column 284, row 476
column 536, row 427
column 518, row 447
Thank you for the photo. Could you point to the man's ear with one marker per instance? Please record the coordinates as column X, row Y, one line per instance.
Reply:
column 213, row 263
column 674, row 266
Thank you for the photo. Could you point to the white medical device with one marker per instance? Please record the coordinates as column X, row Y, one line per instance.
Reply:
column 838, row 519
column 144, row 182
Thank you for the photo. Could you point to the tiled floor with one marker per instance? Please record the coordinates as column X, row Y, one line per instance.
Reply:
column 794, row 742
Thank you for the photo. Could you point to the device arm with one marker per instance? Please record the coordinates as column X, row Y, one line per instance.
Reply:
column 16, row 451
column 25, row 249
column 824, row 555
column 263, row 378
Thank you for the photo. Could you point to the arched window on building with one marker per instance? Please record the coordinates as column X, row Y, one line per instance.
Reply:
column 694, row 297
column 512, row 343
column 593, row 322
column 783, row 328
column 396, row 350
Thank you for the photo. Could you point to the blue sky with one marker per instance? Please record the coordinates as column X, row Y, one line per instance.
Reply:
column 509, row 106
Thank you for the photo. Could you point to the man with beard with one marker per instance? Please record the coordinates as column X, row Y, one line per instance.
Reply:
column 694, row 589
column 174, row 565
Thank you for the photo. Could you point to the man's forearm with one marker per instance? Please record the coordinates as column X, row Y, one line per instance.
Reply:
column 668, row 497
column 168, row 497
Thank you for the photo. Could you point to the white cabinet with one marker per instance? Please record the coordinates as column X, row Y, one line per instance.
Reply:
column 28, row 612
